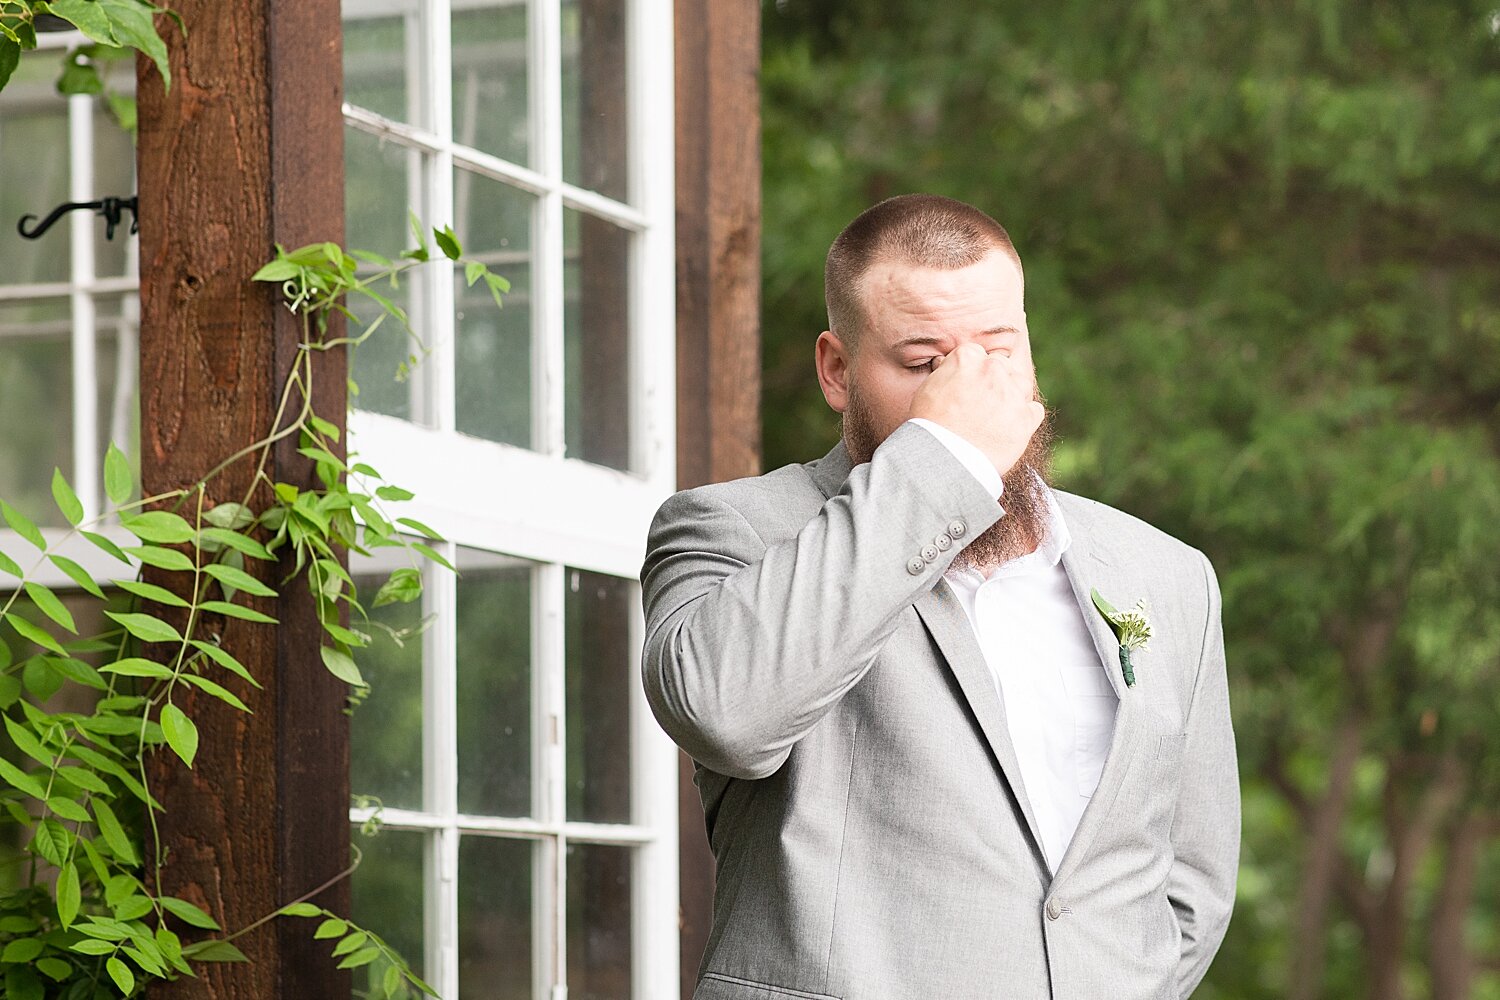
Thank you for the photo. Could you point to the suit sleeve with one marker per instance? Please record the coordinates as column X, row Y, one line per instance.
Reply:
column 748, row 645
column 1206, row 828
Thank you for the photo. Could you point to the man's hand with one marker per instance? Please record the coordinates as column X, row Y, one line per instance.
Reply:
column 987, row 399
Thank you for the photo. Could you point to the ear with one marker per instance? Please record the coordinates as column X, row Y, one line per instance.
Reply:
column 832, row 361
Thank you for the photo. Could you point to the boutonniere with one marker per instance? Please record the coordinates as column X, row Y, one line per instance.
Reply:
column 1131, row 629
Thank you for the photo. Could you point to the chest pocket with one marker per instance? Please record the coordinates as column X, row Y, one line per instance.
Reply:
column 1093, row 702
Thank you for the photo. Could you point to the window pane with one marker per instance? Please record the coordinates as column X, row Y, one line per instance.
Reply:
column 598, row 922
column 116, row 360
column 114, row 175
column 380, row 72
column 494, row 345
column 489, row 79
column 386, row 733
column 595, row 95
column 599, row 679
column 596, row 319
column 494, row 918
column 387, row 890
column 33, row 149
column 36, row 403
column 494, row 684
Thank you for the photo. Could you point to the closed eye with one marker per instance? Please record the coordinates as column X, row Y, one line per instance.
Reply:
column 925, row 366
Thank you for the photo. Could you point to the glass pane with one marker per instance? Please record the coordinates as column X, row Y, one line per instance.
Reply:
column 387, row 890
column 34, row 164
column 386, row 738
column 36, row 403
column 380, row 53
column 598, row 922
column 493, row 379
column 596, row 321
column 595, row 92
column 494, row 684
column 378, row 177
column 600, row 675
column 116, row 360
column 489, row 78
column 494, row 918
column 114, row 175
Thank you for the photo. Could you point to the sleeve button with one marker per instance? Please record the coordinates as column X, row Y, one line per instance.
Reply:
column 929, row 552
column 916, row 566
column 956, row 528
column 944, row 542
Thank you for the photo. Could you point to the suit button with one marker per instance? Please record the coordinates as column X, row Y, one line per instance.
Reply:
column 956, row 528
column 1054, row 909
column 929, row 552
column 916, row 566
column 944, row 542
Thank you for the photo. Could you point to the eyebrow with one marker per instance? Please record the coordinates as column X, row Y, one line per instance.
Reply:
column 933, row 341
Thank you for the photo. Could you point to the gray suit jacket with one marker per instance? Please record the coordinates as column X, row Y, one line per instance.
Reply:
column 863, row 800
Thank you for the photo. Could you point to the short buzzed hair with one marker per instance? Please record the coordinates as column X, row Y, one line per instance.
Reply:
column 923, row 230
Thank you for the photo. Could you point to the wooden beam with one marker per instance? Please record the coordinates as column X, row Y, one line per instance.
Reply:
column 718, row 318
column 245, row 151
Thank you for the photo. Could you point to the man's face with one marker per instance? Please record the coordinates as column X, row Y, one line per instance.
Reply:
column 912, row 316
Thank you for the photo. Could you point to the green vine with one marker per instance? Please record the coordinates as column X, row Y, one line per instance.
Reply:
column 89, row 919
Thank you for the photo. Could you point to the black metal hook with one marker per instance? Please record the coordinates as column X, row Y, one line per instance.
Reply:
column 111, row 208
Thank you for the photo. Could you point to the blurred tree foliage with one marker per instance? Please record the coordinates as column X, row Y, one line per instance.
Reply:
column 1262, row 253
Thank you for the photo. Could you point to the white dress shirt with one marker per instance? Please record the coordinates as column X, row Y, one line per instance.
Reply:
column 1059, row 705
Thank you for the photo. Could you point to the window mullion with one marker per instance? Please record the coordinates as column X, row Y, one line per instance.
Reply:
column 85, row 475
column 547, row 310
column 440, row 772
column 549, row 760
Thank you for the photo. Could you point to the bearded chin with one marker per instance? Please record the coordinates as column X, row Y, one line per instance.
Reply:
column 1025, row 499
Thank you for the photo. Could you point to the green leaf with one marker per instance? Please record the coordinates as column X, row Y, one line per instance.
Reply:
column 473, row 271
column 84, row 778
column 276, row 270
column 448, row 243
column 160, row 526
column 152, row 592
column 350, row 943
column 362, row 957
column 34, row 634
column 213, row 951
column 392, row 980
column 52, row 841
column 10, row 58
column 133, row 25
column 238, row 579
column 19, row 779
column 393, row 493
column 236, row 611
column 67, row 501
column 27, row 743
column 403, row 587
column 23, row 949
column 236, row 541
column 89, row 17
column 330, row 928
column 106, row 545
column 78, row 575
column 16, row 924
column 54, row 968
column 21, row 983
column 41, row 678
column 92, row 946
column 8, row 565
column 342, row 666
column 221, row 693
column 114, row 834
column 22, row 525
column 146, row 628
column 68, row 809
column 121, row 974
column 232, row 516
column 300, row 910
column 190, row 915
column 168, row 559
column 432, row 554
column 181, row 732
column 133, row 908
column 50, row 606
column 68, row 894
column 224, row 659
column 135, row 666
column 416, row 525
column 118, row 482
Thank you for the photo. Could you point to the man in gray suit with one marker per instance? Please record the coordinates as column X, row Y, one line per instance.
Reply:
column 928, row 768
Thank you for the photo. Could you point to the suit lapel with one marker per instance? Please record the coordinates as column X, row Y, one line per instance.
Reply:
column 950, row 629
column 1088, row 565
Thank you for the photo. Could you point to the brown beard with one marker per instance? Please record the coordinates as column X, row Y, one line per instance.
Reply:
column 1024, row 525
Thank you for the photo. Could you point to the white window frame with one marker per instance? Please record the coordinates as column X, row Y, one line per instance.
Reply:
column 538, row 503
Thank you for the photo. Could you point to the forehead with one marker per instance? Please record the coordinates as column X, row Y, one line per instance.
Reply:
column 898, row 296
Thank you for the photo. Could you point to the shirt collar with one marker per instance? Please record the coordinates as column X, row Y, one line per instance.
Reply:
column 1047, row 554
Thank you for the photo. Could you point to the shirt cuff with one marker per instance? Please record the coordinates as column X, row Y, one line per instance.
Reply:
column 968, row 453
